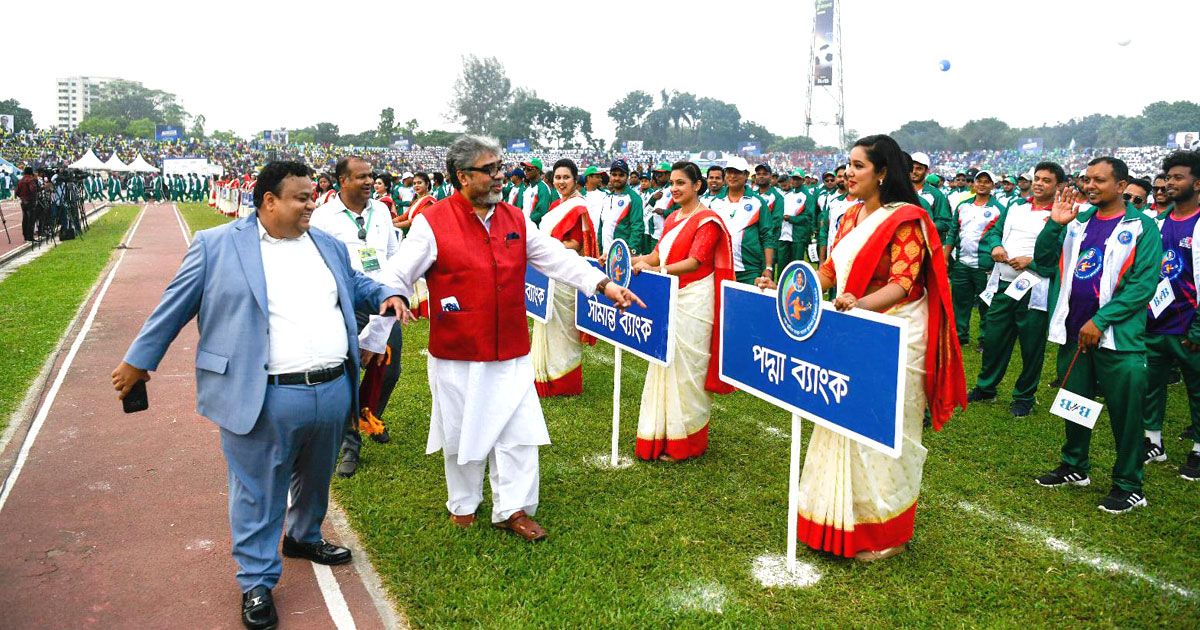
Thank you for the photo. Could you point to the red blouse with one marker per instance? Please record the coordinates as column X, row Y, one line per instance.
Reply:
column 902, row 266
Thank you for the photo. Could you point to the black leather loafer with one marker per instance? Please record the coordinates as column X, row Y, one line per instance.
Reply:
column 258, row 609
column 319, row 552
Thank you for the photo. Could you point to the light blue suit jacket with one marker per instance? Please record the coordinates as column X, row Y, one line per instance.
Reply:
column 221, row 280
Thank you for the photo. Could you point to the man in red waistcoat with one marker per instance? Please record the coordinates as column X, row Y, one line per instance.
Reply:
column 472, row 250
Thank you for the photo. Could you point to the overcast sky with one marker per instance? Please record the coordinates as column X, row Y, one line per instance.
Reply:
column 251, row 66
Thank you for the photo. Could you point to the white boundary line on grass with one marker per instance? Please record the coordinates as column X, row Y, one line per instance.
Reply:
column 1073, row 554
column 44, row 410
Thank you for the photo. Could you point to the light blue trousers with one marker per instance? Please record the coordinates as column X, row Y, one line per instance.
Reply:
column 293, row 447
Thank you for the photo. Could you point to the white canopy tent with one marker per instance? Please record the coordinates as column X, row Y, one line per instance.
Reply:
column 140, row 165
column 89, row 162
column 114, row 164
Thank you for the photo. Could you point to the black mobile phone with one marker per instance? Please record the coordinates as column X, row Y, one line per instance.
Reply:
column 136, row 400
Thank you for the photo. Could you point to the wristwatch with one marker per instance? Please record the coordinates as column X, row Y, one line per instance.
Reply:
column 603, row 283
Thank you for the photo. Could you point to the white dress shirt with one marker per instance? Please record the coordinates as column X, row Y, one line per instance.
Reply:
column 419, row 252
column 304, row 320
column 334, row 218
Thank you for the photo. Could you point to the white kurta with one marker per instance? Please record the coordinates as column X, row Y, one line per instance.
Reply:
column 477, row 404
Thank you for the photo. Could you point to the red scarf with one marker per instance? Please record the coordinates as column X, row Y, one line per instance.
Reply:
column 589, row 246
column 945, row 383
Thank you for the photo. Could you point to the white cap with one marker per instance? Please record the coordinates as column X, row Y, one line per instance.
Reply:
column 991, row 175
column 1027, row 175
column 922, row 159
column 739, row 163
column 406, row 175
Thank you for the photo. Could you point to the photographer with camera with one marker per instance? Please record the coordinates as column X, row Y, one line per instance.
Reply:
column 27, row 189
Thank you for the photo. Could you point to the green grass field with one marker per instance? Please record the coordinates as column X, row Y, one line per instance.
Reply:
column 200, row 216
column 39, row 300
column 659, row 545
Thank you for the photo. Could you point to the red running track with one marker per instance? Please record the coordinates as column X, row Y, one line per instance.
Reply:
column 120, row 521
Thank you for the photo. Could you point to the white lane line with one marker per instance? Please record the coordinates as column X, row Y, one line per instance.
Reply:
column 1073, row 554
column 334, row 600
column 44, row 410
column 187, row 238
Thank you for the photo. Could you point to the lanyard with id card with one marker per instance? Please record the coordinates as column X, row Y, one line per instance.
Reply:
column 368, row 256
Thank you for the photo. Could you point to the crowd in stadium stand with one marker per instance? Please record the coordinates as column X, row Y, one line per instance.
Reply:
column 55, row 148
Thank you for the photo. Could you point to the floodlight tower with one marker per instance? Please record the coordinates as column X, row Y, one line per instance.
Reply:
column 825, row 71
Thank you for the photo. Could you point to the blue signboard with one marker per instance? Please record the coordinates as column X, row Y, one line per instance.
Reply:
column 167, row 132
column 539, row 294
column 847, row 377
column 518, row 146
column 646, row 332
column 750, row 148
column 1030, row 145
column 248, row 199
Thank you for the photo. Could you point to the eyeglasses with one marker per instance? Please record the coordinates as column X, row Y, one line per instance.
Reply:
column 1159, row 189
column 491, row 170
column 362, row 228
column 1137, row 201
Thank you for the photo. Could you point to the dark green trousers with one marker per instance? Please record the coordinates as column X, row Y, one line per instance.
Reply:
column 1164, row 352
column 1122, row 376
column 785, row 253
column 966, row 284
column 1007, row 322
column 748, row 276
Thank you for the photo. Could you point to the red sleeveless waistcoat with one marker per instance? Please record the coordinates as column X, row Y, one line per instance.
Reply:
column 484, row 271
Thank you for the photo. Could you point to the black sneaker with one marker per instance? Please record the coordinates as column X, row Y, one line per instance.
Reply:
column 1188, row 436
column 1121, row 501
column 1190, row 469
column 1064, row 475
column 1154, row 452
column 1021, row 408
column 1055, row 383
column 978, row 395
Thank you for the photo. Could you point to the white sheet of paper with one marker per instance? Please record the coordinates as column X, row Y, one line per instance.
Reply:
column 1163, row 296
column 812, row 251
column 1076, row 408
column 987, row 296
column 1021, row 285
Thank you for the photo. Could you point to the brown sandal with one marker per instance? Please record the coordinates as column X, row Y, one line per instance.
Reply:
column 520, row 524
column 464, row 521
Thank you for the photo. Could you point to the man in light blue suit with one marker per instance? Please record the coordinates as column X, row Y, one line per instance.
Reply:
column 276, row 368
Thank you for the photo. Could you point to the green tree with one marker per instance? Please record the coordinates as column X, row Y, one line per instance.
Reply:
column 925, row 135
column 127, row 101
column 718, row 124
column 197, row 127
column 141, row 128
column 387, row 126
column 225, row 136
column 481, row 94
column 326, row 133
column 794, row 143
column 22, row 118
column 435, row 138
column 630, row 112
column 987, row 133
column 98, row 126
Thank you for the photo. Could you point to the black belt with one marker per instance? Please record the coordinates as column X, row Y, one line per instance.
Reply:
column 313, row 377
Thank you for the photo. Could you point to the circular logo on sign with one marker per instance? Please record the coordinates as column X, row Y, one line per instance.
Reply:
column 748, row 207
column 798, row 302
column 1171, row 265
column 620, row 263
column 1089, row 264
column 1125, row 237
column 1022, row 284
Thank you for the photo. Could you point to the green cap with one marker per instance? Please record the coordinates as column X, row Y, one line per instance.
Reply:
column 535, row 163
column 1010, row 179
column 798, row 172
column 932, row 179
column 591, row 170
column 662, row 167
